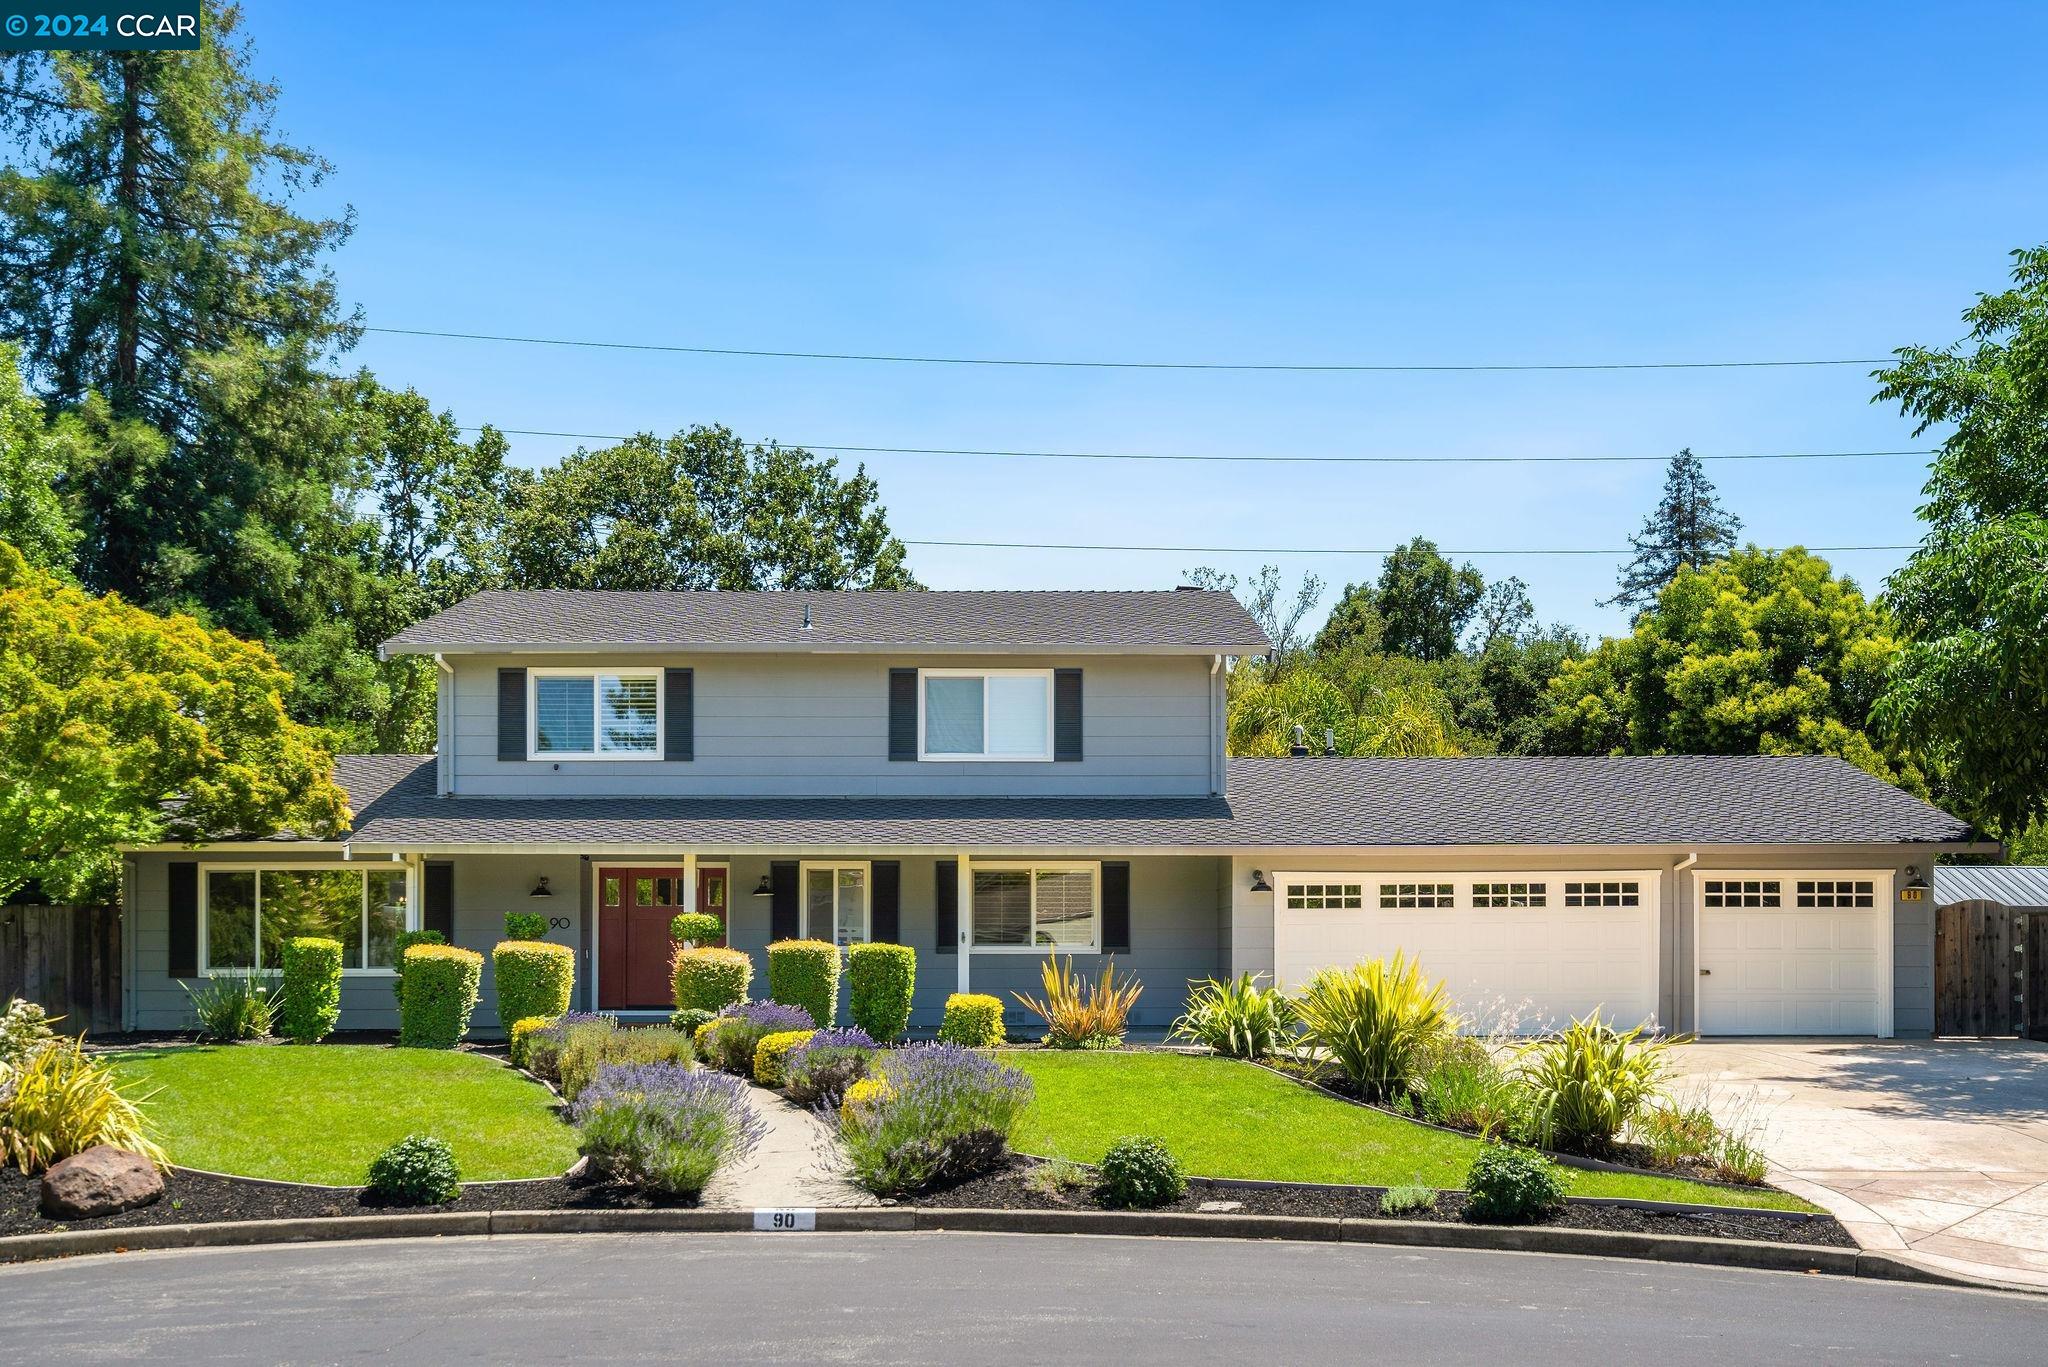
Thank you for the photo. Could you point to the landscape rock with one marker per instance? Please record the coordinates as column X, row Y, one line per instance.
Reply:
column 101, row 1181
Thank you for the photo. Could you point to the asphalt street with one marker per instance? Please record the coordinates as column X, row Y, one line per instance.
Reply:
column 963, row 1298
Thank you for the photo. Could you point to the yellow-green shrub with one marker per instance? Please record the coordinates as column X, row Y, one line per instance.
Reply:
column 773, row 1051
column 805, row 973
column 522, row 1031
column 879, row 981
column 1376, row 1021
column 863, row 1096
column 973, row 1020
column 534, row 978
column 696, row 928
column 710, row 977
column 441, row 984
column 63, row 1101
column 311, row 997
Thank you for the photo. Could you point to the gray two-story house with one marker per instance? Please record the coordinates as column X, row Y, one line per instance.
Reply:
column 995, row 777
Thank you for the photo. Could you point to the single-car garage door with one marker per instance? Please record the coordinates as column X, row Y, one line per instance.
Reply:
column 1544, row 946
column 1794, row 953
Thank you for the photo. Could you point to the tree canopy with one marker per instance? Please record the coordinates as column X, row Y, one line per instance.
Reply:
column 1424, row 603
column 33, row 518
column 1687, row 527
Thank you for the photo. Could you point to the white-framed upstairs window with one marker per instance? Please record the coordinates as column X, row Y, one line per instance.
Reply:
column 984, row 714
column 247, row 913
column 1036, row 908
column 593, row 713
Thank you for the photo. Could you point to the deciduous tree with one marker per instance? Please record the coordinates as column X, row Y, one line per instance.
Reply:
column 1424, row 602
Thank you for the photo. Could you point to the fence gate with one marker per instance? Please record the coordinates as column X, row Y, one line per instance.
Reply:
column 65, row 959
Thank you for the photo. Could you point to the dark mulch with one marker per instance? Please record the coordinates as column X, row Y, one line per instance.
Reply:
column 1008, row 1189
column 195, row 1198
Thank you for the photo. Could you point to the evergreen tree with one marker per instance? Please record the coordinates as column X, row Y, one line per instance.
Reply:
column 1688, row 527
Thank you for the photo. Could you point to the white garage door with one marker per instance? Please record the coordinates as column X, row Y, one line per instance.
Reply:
column 1794, row 953
column 1549, row 946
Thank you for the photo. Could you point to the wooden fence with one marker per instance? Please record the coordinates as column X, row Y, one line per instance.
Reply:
column 1991, row 970
column 66, row 959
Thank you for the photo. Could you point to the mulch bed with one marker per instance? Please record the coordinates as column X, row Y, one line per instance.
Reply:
column 1009, row 1190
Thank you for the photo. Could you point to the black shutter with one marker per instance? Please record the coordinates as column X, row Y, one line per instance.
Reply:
column 946, row 902
column 903, row 714
column 512, row 714
column 679, row 706
column 1116, row 908
column 887, row 924
column 783, row 922
column 437, row 900
column 184, row 959
column 1066, row 714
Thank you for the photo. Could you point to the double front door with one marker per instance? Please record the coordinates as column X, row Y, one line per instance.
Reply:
column 634, row 907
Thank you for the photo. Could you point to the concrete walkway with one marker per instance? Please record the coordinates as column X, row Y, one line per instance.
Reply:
column 1938, row 1149
column 796, row 1164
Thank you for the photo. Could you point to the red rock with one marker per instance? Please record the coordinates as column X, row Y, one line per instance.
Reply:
column 101, row 1181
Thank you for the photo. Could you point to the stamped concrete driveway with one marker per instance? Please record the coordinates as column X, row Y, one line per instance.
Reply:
column 1938, row 1148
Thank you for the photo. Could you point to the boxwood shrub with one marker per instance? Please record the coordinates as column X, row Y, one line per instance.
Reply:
column 879, row 980
column 441, row 984
column 1139, row 1172
column 419, row 1170
column 1512, row 1186
column 805, row 973
column 710, row 978
column 534, row 979
column 525, row 925
column 405, row 940
column 773, row 1052
column 311, row 999
column 520, row 1040
column 696, row 928
column 972, row 1020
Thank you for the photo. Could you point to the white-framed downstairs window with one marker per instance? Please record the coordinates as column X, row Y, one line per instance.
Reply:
column 247, row 913
column 593, row 713
column 984, row 714
column 837, row 905
column 1035, row 908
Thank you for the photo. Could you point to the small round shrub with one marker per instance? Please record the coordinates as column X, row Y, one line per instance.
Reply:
column 805, row 973
column 521, row 1038
column 419, row 1170
column 440, row 993
column 534, row 978
column 311, row 1000
column 710, row 978
column 879, row 981
column 862, row 1097
column 973, row 1021
column 1139, row 1172
column 525, row 925
column 690, row 1019
column 696, row 928
column 773, row 1051
column 404, row 940
column 1512, row 1186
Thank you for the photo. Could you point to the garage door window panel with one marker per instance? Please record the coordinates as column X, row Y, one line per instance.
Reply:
column 1416, row 895
column 1494, row 895
column 1618, row 893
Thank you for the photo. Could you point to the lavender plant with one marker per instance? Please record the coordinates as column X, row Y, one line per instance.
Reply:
column 664, row 1128
column 943, row 1115
column 744, row 1025
column 818, row 1072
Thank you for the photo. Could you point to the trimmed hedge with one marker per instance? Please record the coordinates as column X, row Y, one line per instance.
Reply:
column 311, row 997
column 879, row 980
column 773, row 1052
column 523, row 1030
column 805, row 973
column 534, row 979
column 696, row 928
column 711, row 978
column 525, row 925
column 973, row 1020
column 405, row 940
column 441, row 984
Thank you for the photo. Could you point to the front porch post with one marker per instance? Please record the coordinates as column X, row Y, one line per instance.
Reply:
column 687, row 900
column 963, row 893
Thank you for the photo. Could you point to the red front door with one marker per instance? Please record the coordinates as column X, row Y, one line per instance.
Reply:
column 634, row 907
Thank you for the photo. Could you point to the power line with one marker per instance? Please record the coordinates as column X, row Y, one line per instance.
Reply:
column 1245, row 460
column 1040, row 364
column 1312, row 550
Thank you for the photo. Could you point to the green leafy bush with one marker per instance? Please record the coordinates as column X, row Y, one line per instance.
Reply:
column 1139, row 1172
column 441, row 984
column 419, row 1170
column 973, row 1021
column 24, row 1027
column 696, row 928
column 1512, row 1186
column 519, row 1044
column 879, row 981
column 596, row 1042
column 1375, row 1021
column 234, row 1006
column 1410, row 1198
column 534, row 978
column 404, row 940
column 1588, row 1082
column 1238, row 1018
column 805, row 973
column 710, row 978
column 773, row 1051
column 689, row 1019
column 310, row 1001
column 525, row 925
column 1460, row 1086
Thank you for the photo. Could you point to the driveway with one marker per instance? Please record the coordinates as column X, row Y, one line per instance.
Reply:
column 1938, row 1148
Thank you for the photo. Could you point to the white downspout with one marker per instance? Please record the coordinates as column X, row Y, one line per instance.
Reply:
column 963, row 914
column 1218, row 765
column 444, row 730
column 1678, row 891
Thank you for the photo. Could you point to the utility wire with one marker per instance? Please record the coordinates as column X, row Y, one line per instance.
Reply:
column 1244, row 460
column 1033, row 363
column 1310, row 550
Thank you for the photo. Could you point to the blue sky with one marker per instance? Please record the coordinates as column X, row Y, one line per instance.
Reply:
column 1342, row 183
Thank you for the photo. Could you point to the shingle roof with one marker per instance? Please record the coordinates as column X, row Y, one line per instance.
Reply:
column 1204, row 621
column 2016, row 885
column 1652, row 800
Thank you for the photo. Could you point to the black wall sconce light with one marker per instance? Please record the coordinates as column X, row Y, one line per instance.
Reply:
column 1259, row 883
column 541, row 889
column 764, row 890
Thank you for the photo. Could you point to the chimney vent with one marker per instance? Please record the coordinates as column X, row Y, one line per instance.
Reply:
column 1300, row 746
column 1330, row 740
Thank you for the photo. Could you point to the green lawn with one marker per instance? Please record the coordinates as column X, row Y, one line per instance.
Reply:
column 1223, row 1118
column 320, row 1113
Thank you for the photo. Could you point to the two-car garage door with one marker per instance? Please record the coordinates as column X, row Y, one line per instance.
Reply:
column 1544, row 946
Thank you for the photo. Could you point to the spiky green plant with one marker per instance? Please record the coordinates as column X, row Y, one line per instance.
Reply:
column 1080, row 1014
column 1237, row 1018
column 1589, row 1081
column 63, row 1101
column 1375, row 1021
